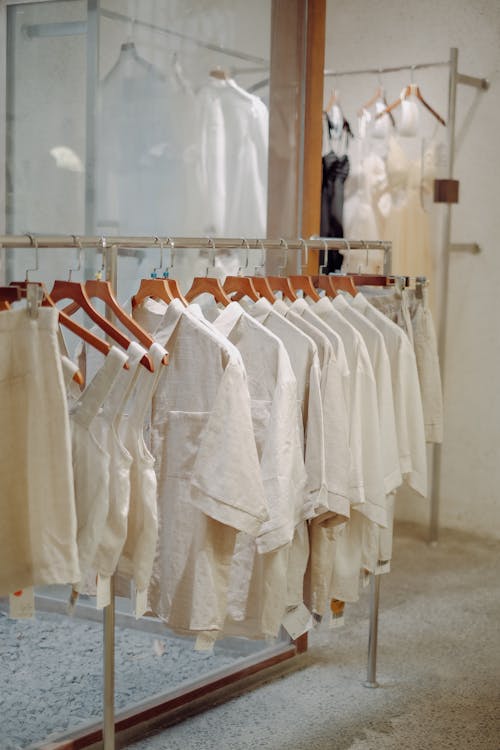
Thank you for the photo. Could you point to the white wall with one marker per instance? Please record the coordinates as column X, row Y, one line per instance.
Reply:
column 393, row 32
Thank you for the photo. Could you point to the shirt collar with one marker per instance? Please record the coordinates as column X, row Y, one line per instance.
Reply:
column 167, row 324
column 340, row 303
column 260, row 310
column 323, row 305
column 281, row 307
column 228, row 318
column 299, row 306
column 360, row 302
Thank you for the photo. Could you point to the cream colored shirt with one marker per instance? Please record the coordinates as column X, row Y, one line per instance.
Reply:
column 207, row 467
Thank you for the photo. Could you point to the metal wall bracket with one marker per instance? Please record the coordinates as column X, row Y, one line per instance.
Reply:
column 465, row 247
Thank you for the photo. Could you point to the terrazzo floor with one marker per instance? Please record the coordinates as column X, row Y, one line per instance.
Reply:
column 438, row 668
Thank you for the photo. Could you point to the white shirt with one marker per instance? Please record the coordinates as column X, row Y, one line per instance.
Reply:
column 209, row 478
column 258, row 585
column 335, row 420
column 303, row 354
column 234, row 131
column 406, row 393
column 381, row 367
column 366, row 452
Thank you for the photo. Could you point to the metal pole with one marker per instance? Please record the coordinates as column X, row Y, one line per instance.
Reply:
column 108, row 731
column 443, row 296
column 371, row 674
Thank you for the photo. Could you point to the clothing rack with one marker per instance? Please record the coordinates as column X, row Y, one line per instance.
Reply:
column 77, row 28
column 110, row 246
column 454, row 79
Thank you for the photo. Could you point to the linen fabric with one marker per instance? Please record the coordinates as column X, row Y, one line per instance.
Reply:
column 38, row 542
column 207, row 468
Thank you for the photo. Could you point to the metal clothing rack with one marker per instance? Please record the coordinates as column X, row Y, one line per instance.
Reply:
column 79, row 28
column 110, row 246
column 455, row 78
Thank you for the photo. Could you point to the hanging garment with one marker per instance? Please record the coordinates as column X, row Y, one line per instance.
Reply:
column 406, row 224
column 335, row 419
column 303, row 354
column 413, row 315
column 207, row 468
column 114, row 530
column 92, row 461
column 258, row 590
column 406, row 395
column 234, row 153
column 137, row 558
column 304, row 360
column 148, row 151
column 38, row 530
column 381, row 367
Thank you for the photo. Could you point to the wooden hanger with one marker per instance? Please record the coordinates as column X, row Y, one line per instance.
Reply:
column 8, row 294
column 207, row 285
column 64, row 320
column 304, row 284
column 263, row 288
column 379, row 95
column 367, row 279
column 322, row 281
column 343, row 283
column 175, row 289
column 411, row 89
column 282, row 284
column 99, row 289
column 75, row 291
column 219, row 73
column 243, row 286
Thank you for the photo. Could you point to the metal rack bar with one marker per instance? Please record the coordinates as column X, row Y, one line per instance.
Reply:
column 371, row 673
column 392, row 69
column 73, row 28
column 56, row 241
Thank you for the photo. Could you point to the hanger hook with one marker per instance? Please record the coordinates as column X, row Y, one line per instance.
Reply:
column 243, row 270
column 211, row 255
column 78, row 243
column 262, row 265
column 348, row 248
column 325, row 256
column 166, row 274
column 282, row 269
column 154, row 272
column 103, row 245
column 34, row 243
column 306, row 254
column 412, row 74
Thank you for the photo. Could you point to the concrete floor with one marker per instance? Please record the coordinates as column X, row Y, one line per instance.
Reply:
column 438, row 667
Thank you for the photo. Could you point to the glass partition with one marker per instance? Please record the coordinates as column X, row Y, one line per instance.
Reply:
column 145, row 117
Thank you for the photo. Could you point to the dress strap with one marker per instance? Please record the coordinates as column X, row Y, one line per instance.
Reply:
column 93, row 397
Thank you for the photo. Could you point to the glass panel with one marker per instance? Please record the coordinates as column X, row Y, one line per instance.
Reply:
column 169, row 160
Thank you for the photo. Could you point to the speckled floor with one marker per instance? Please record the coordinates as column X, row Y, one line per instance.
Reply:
column 439, row 668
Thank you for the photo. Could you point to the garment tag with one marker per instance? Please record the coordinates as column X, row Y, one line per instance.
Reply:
column 205, row 641
column 298, row 621
column 383, row 566
column 103, row 593
column 141, row 603
column 22, row 604
column 337, row 609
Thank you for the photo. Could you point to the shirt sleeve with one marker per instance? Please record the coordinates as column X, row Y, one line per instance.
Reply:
column 226, row 483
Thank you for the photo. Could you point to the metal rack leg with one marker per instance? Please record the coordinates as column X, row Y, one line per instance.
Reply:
column 109, row 674
column 371, row 677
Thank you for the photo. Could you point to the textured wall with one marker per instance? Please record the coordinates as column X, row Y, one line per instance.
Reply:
column 395, row 32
